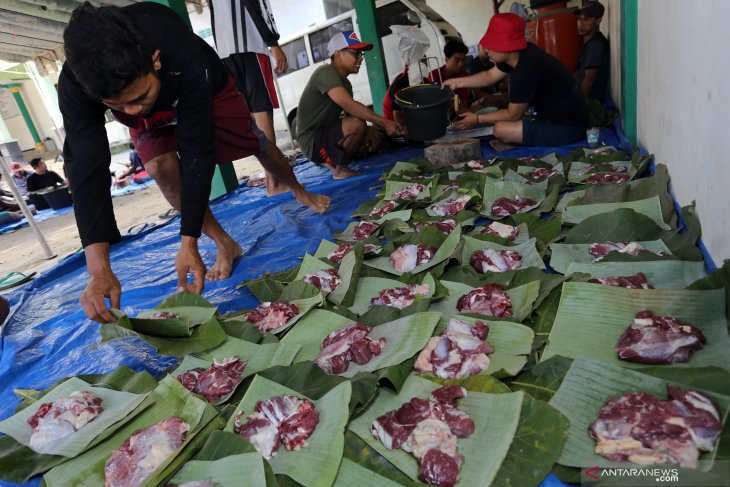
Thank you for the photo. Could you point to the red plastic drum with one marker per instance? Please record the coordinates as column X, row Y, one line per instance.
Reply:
column 556, row 31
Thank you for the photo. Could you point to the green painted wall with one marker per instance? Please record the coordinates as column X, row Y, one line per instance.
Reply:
column 629, row 65
column 375, row 60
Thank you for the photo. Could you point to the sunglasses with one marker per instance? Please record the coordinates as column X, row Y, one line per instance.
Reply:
column 355, row 52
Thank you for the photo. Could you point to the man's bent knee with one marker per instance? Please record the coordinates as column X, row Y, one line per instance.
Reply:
column 353, row 126
column 161, row 165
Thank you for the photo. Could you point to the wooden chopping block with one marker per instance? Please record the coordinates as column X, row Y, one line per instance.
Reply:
column 454, row 152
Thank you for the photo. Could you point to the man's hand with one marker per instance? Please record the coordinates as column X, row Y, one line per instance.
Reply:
column 393, row 129
column 452, row 83
column 102, row 284
column 188, row 261
column 282, row 65
column 466, row 120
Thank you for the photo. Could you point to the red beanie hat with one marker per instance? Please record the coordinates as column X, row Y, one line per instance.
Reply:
column 506, row 33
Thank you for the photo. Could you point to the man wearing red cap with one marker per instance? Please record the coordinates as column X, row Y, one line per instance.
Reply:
column 323, row 136
column 536, row 79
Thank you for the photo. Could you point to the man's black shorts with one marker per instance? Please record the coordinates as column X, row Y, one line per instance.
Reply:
column 325, row 149
column 254, row 78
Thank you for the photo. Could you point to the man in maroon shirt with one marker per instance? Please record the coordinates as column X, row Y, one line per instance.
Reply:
column 185, row 115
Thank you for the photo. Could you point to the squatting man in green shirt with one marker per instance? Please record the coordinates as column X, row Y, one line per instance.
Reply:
column 324, row 136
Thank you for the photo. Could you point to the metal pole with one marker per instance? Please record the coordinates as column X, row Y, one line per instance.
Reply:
column 30, row 67
column 24, row 208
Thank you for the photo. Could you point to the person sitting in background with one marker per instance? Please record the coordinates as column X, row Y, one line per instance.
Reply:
column 489, row 96
column 323, row 136
column 455, row 53
column 412, row 44
column 4, row 310
column 43, row 178
column 594, row 60
column 20, row 178
column 536, row 79
column 10, row 217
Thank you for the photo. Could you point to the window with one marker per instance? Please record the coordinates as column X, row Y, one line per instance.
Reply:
column 392, row 14
column 319, row 39
column 333, row 8
column 296, row 54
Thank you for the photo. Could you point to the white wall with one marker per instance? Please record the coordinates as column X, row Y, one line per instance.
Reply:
column 683, row 100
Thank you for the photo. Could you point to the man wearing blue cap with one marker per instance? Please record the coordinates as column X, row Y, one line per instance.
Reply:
column 323, row 136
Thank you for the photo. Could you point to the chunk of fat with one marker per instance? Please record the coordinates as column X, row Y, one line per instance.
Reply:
column 431, row 433
column 264, row 440
column 423, row 362
column 502, row 229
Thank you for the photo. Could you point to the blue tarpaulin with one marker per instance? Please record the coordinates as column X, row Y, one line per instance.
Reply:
column 47, row 336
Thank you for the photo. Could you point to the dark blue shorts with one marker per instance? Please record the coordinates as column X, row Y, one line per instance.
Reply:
column 537, row 132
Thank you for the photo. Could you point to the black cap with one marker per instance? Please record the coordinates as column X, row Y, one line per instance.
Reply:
column 592, row 9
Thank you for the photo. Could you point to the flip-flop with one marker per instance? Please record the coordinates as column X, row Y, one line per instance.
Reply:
column 171, row 213
column 15, row 279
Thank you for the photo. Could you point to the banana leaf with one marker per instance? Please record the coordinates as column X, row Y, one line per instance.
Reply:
column 592, row 317
column 496, row 417
column 545, row 230
column 576, row 167
column 495, row 189
column 259, row 357
column 512, row 344
column 117, row 405
column 650, row 207
column 232, row 471
column 369, row 288
column 392, row 187
column 528, row 251
column 347, row 235
column 243, row 330
column 348, row 271
column 303, row 294
column 429, row 236
column 523, row 235
column 269, row 286
column 564, row 255
column 516, row 177
column 402, row 166
column 719, row 279
column 351, row 474
column 587, row 386
column 662, row 274
column 170, row 399
column 317, row 463
column 522, row 298
column 309, row 380
column 206, row 336
column 542, row 380
column 522, row 169
column 405, row 338
column 326, row 247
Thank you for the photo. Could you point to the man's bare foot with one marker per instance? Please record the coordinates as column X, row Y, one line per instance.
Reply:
column 318, row 203
column 273, row 186
column 223, row 266
column 343, row 172
column 255, row 182
column 500, row 146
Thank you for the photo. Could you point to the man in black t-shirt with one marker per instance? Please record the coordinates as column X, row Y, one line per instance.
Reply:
column 594, row 61
column 42, row 177
column 184, row 115
column 537, row 80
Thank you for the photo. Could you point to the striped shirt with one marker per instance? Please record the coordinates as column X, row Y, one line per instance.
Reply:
column 243, row 26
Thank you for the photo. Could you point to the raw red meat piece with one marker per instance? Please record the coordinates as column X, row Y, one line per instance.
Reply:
column 653, row 339
column 540, row 174
column 642, row 428
column 64, row 416
column 450, row 206
column 349, row 344
column 280, row 419
column 164, row 315
column 364, row 229
column 489, row 300
column 491, row 260
column 272, row 315
column 217, row 382
column 459, row 352
column 409, row 193
column 338, row 254
column 428, row 428
column 143, row 452
column 603, row 168
column 639, row 281
column 507, row 232
column 446, row 226
column 385, row 209
column 606, row 178
column 409, row 256
column 506, row 206
column 601, row 250
column 400, row 297
column 325, row 280
column 475, row 164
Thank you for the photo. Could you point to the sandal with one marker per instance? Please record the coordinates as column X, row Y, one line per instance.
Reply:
column 15, row 279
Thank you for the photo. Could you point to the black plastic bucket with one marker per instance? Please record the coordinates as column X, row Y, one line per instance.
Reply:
column 58, row 198
column 426, row 110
